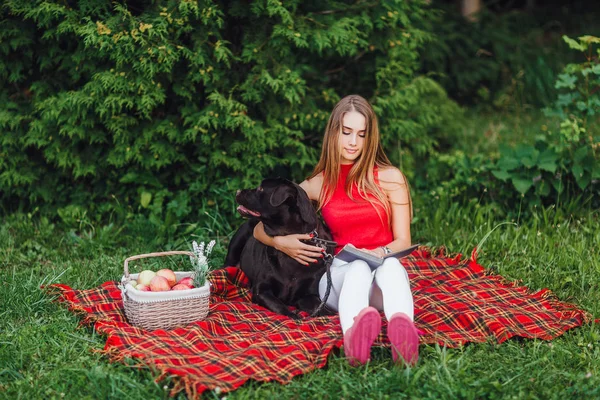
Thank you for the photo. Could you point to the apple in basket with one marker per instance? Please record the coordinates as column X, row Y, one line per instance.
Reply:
column 181, row 286
column 168, row 275
column 188, row 281
column 143, row 288
column 145, row 277
column 159, row 284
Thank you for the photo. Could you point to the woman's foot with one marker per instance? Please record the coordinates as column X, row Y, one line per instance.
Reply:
column 361, row 335
column 404, row 338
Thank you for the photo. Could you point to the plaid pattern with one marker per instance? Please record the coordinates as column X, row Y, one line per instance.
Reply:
column 455, row 302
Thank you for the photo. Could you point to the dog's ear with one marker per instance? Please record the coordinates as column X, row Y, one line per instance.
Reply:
column 305, row 206
column 280, row 195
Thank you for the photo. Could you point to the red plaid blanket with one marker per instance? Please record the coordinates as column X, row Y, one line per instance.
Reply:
column 455, row 302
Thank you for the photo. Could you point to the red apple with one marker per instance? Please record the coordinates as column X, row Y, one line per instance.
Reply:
column 159, row 284
column 143, row 288
column 181, row 286
column 168, row 275
column 189, row 281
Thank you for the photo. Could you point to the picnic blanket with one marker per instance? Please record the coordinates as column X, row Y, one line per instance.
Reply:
column 456, row 301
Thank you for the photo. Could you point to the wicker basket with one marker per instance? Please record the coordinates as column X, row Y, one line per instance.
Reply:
column 163, row 310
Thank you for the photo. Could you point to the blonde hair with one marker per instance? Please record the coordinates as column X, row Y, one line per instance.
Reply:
column 361, row 174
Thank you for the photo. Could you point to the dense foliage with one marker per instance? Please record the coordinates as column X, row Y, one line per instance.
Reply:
column 562, row 163
column 167, row 107
column 508, row 57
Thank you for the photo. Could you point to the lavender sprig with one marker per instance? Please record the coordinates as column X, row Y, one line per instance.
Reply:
column 200, row 261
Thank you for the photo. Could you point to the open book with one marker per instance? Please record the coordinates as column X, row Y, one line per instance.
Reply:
column 350, row 253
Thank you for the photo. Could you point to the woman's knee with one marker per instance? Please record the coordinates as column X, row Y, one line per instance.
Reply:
column 393, row 268
column 358, row 269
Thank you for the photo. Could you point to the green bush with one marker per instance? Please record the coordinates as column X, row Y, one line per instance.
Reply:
column 562, row 163
column 165, row 108
column 572, row 155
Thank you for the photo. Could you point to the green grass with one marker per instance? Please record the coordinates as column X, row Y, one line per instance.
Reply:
column 44, row 354
column 484, row 132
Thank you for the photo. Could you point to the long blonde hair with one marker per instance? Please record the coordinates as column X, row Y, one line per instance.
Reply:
column 361, row 174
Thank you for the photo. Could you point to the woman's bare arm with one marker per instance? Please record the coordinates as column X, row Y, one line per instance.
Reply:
column 395, row 185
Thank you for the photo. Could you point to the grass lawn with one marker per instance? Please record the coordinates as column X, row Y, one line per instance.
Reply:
column 44, row 354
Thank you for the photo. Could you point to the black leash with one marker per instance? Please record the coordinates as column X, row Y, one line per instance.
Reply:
column 322, row 243
column 328, row 258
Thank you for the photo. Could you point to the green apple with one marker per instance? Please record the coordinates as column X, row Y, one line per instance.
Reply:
column 145, row 277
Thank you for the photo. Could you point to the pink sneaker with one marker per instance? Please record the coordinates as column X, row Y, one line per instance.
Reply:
column 404, row 338
column 360, row 337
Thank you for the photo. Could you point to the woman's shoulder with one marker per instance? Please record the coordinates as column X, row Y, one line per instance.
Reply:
column 390, row 177
column 391, row 173
column 312, row 186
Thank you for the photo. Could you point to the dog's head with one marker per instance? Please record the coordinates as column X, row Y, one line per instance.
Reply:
column 282, row 206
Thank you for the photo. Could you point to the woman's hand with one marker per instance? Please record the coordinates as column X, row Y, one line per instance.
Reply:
column 301, row 252
column 376, row 252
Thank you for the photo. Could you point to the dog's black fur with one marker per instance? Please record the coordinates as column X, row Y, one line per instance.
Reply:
column 277, row 280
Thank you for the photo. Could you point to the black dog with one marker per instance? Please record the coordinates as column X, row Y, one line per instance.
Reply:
column 277, row 280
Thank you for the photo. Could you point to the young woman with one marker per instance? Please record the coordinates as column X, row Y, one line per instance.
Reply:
column 365, row 201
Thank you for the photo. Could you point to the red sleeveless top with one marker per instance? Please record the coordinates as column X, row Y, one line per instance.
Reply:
column 356, row 221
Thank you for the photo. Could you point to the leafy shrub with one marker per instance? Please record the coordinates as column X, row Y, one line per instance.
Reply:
column 573, row 154
column 166, row 107
column 559, row 164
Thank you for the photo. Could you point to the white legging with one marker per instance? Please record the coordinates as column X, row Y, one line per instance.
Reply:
column 353, row 288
